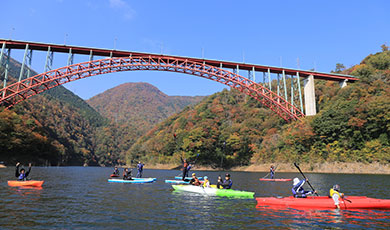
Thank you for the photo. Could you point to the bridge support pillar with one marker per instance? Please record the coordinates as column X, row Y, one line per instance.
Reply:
column 310, row 97
column 343, row 83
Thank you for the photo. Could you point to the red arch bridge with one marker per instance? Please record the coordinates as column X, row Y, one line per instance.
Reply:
column 279, row 89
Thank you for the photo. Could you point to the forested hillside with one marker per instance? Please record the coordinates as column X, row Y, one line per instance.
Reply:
column 138, row 104
column 53, row 128
column 229, row 129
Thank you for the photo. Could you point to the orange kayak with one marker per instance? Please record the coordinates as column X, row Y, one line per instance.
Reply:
column 33, row 183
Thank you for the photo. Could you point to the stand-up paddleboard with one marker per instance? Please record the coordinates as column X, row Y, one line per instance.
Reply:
column 186, row 178
column 136, row 178
column 180, row 181
column 135, row 181
column 177, row 181
column 31, row 183
column 280, row 179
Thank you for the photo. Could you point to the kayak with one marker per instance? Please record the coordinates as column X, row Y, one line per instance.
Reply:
column 114, row 175
column 32, row 183
column 213, row 191
column 324, row 202
column 135, row 181
column 280, row 179
column 186, row 178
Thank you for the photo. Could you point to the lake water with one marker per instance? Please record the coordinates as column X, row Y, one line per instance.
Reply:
column 81, row 198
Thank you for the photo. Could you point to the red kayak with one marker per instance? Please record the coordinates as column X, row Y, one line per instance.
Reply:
column 114, row 175
column 281, row 179
column 324, row 202
column 32, row 183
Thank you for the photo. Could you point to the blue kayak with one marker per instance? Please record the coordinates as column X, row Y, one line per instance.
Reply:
column 177, row 182
column 135, row 181
column 186, row 178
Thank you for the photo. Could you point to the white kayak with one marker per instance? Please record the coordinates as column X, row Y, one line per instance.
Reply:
column 134, row 181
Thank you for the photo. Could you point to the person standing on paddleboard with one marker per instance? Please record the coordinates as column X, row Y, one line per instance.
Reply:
column 140, row 168
column 272, row 171
column 185, row 167
column 22, row 174
column 336, row 195
column 297, row 189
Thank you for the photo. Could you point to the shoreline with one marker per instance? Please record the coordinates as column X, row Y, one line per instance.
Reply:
column 334, row 167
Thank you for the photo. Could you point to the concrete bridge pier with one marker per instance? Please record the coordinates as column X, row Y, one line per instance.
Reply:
column 310, row 97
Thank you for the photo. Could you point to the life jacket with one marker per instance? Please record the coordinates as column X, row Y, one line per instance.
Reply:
column 206, row 183
column 22, row 176
column 332, row 192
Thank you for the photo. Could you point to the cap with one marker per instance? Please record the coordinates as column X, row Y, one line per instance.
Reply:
column 227, row 175
column 194, row 174
column 205, row 177
column 336, row 187
column 295, row 181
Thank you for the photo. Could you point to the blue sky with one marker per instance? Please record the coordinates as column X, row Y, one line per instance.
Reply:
column 319, row 33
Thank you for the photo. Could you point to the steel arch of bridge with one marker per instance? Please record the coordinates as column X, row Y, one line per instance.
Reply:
column 20, row 91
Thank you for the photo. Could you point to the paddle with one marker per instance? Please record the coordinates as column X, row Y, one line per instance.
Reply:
column 305, row 178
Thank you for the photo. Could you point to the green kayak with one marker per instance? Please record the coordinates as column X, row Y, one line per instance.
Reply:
column 214, row 191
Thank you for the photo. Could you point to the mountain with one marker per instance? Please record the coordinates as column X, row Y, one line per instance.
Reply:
column 53, row 128
column 139, row 104
column 228, row 129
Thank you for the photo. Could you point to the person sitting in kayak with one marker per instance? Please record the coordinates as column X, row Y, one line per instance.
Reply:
column 272, row 171
column 227, row 183
column 116, row 171
column 127, row 174
column 140, row 168
column 206, row 183
column 298, row 191
column 219, row 182
column 22, row 174
column 335, row 194
column 195, row 181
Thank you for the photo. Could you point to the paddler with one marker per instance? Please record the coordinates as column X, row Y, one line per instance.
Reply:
column 206, row 183
column 195, row 181
column 336, row 195
column 140, row 168
column 188, row 169
column 185, row 168
column 127, row 174
column 22, row 174
column 297, row 189
column 116, row 171
column 219, row 182
column 272, row 171
column 227, row 183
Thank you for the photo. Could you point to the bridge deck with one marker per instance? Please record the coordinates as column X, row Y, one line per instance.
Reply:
column 13, row 44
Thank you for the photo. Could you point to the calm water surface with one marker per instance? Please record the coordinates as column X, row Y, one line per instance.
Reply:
column 81, row 198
